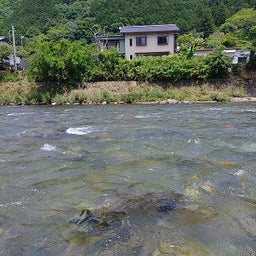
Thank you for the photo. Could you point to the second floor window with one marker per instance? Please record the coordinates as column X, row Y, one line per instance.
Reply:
column 141, row 41
column 162, row 40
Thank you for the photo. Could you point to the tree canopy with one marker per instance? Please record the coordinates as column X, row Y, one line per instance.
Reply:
column 32, row 17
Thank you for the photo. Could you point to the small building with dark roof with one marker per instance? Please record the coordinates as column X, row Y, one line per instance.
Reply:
column 3, row 39
column 149, row 40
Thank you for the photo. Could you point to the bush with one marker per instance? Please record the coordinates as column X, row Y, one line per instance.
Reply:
column 219, row 97
column 9, row 76
column 60, row 62
column 71, row 63
column 79, row 96
column 218, row 64
column 59, row 99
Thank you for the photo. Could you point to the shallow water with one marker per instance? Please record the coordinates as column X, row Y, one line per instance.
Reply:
column 57, row 161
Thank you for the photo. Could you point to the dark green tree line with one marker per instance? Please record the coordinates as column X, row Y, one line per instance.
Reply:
column 32, row 17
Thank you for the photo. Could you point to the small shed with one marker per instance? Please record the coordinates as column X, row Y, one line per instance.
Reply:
column 10, row 61
column 3, row 39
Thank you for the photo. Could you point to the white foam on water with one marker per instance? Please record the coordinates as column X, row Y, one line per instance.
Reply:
column 248, row 111
column 21, row 114
column 48, row 147
column 146, row 116
column 195, row 141
column 80, row 130
column 240, row 172
column 11, row 204
column 248, row 147
column 216, row 109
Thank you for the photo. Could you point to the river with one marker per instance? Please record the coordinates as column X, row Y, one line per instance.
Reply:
column 57, row 161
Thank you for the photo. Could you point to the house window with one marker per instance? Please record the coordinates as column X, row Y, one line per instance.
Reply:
column 242, row 59
column 130, row 41
column 162, row 40
column 141, row 41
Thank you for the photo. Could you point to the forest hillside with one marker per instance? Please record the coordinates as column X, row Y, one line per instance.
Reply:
column 79, row 17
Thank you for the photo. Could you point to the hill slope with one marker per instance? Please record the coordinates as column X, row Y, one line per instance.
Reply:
column 32, row 17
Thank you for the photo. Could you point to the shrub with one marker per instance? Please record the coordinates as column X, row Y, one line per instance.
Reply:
column 218, row 64
column 61, row 62
column 59, row 99
column 79, row 96
column 219, row 97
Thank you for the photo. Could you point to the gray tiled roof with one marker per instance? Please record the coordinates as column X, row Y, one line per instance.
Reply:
column 150, row 28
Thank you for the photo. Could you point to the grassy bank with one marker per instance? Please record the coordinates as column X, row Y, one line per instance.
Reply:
column 23, row 93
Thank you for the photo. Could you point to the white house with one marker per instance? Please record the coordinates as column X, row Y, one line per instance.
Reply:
column 149, row 40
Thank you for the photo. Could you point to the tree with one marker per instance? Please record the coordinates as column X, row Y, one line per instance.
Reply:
column 31, row 17
column 205, row 21
column 220, row 13
column 230, row 40
column 218, row 64
column 61, row 62
column 241, row 24
column 108, row 66
column 189, row 43
column 214, row 40
column 5, row 50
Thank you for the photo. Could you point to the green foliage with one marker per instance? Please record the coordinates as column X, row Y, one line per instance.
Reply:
column 9, row 76
column 101, row 96
column 241, row 24
column 168, row 68
column 189, row 43
column 230, row 40
column 5, row 50
column 206, row 23
column 33, row 17
column 219, row 97
column 107, row 66
column 61, row 62
column 76, row 96
column 214, row 40
column 29, row 17
column 69, row 63
column 59, row 99
column 218, row 64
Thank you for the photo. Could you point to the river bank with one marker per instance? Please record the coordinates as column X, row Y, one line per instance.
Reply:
column 129, row 92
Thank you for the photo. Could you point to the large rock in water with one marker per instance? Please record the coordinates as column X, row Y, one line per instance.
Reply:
column 112, row 212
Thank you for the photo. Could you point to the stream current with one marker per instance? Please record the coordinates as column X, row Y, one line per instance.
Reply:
column 57, row 161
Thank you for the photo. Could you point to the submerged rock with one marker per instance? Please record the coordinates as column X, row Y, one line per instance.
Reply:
column 114, row 212
column 181, row 247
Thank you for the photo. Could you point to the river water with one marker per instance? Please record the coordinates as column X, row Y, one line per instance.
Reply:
column 58, row 161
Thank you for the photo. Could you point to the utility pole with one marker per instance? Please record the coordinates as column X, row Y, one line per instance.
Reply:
column 14, row 48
